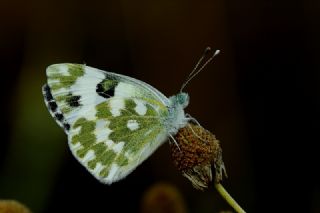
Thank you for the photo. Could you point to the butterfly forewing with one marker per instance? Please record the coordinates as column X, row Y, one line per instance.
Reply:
column 113, row 122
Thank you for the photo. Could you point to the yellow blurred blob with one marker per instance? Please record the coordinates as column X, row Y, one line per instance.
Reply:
column 163, row 198
column 12, row 206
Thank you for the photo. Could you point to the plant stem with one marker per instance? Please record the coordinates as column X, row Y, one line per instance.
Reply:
column 228, row 198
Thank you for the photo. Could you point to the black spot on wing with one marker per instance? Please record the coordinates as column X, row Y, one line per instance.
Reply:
column 66, row 126
column 106, row 88
column 59, row 116
column 110, row 92
column 54, row 109
column 73, row 100
column 47, row 93
column 100, row 89
column 53, row 105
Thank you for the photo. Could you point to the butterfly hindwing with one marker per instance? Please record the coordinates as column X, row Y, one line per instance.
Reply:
column 118, row 140
column 113, row 122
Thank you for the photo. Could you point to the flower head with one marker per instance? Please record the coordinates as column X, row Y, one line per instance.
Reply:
column 195, row 151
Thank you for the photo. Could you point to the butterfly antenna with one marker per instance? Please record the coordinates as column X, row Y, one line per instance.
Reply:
column 206, row 52
column 196, row 68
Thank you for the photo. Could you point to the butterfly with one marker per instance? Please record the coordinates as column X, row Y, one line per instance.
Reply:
column 113, row 122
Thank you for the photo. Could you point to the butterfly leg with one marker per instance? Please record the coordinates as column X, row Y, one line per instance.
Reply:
column 174, row 141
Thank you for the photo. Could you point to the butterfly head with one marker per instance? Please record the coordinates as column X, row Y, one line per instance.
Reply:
column 182, row 99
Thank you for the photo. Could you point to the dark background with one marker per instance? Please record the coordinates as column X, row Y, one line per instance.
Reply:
column 260, row 97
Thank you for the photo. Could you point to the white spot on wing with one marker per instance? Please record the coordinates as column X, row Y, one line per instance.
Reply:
column 85, row 87
column 132, row 125
column 102, row 132
column 127, row 154
column 89, row 156
column 58, row 92
column 114, row 168
column 75, row 147
column 124, row 90
column 61, row 69
column 140, row 108
column 90, row 112
column 100, row 124
column 64, row 69
column 98, row 168
column 117, row 148
column 109, row 143
column 115, row 106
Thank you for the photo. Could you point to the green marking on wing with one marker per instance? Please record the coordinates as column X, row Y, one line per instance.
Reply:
column 104, row 172
column 87, row 139
column 103, row 110
column 63, row 99
column 134, row 140
column 65, row 81
column 108, row 84
column 64, row 76
column 122, row 160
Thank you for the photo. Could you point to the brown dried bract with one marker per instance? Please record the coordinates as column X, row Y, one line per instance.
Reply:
column 196, row 150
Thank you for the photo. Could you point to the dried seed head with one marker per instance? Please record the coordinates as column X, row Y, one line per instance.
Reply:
column 196, row 151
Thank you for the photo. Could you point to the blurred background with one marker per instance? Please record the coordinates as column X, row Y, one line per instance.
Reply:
column 260, row 97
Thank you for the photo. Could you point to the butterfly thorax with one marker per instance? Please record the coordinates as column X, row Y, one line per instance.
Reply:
column 176, row 118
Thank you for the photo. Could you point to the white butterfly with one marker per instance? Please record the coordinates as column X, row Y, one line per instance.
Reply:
column 113, row 122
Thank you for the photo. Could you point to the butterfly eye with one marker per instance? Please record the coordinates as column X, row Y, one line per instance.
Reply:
column 183, row 99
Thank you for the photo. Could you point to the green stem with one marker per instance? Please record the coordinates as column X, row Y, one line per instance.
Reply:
column 228, row 198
